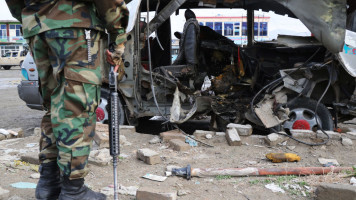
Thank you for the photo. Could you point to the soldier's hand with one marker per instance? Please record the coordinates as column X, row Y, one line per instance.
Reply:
column 114, row 58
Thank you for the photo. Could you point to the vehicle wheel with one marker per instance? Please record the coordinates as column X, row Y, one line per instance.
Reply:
column 6, row 67
column 302, row 115
column 21, row 63
column 103, row 110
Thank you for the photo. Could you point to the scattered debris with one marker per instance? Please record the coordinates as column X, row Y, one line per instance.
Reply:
column 351, row 135
column 24, row 185
column 291, row 148
column 242, row 130
column 168, row 173
column 171, row 167
column 173, row 134
column 191, row 142
column 183, row 192
column 18, row 164
column 273, row 139
column 130, row 190
column 208, row 136
column 179, row 145
column 302, row 133
column 283, row 157
column 148, row 156
column 155, row 140
column 37, row 131
column 353, row 181
column 326, row 162
column 17, row 132
column 233, row 137
column 124, row 129
column 201, row 134
column 4, row 132
column 101, row 136
column 252, row 162
column 155, row 177
column 4, row 194
column 30, row 145
column 332, row 135
column 31, row 157
column 150, row 193
column 274, row 188
column 100, row 157
column 327, row 191
column 35, row 176
column 346, row 141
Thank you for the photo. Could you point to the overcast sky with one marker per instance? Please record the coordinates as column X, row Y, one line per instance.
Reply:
column 278, row 23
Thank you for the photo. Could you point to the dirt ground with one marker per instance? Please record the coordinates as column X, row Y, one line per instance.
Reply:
column 250, row 154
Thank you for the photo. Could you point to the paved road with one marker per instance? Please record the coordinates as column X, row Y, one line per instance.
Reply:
column 14, row 112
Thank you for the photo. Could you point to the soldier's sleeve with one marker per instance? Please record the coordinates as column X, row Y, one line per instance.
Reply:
column 16, row 7
column 115, row 15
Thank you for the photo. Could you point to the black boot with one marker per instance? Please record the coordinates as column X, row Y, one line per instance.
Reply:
column 49, row 185
column 76, row 190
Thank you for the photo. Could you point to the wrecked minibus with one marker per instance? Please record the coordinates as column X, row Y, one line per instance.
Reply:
column 292, row 82
column 271, row 84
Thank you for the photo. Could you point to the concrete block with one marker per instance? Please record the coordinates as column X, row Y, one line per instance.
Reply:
column 100, row 157
column 328, row 191
column 154, row 193
column 242, row 130
column 102, row 139
column 273, row 139
column 333, row 135
column 127, row 129
column 346, row 141
column 351, row 135
column 300, row 133
column 173, row 134
column 37, row 131
column 148, row 156
column 179, row 145
column 201, row 134
column 31, row 158
column 233, row 137
column 4, row 194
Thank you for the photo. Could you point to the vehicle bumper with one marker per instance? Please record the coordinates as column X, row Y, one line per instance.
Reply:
column 30, row 94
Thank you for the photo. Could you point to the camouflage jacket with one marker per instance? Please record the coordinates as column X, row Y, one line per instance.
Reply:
column 42, row 15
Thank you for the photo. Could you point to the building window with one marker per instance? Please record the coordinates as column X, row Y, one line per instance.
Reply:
column 237, row 29
column 218, row 27
column 3, row 32
column 255, row 29
column 263, row 28
column 12, row 26
column 210, row 25
column 244, row 28
column 228, row 28
column 201, row 23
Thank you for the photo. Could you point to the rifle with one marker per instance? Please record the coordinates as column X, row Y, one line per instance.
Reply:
column 114, row 133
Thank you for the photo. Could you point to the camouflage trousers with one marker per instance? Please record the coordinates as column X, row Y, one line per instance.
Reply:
column 70, row 87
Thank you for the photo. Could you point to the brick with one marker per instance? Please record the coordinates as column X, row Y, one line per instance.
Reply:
column 102, row 139
column 148, row 156
column 31, row 158
column 242, row 130
column 150, row 193
column 273, row 139
column 173, row 134
column 179, row 145
column 127, row 129
column 351, row 135
column 233, row 137
column 332, row 134
column 327, row 191
column 200, row 134
column 300, row 133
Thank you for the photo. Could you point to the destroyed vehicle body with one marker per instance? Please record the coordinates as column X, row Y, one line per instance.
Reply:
column 238, row 73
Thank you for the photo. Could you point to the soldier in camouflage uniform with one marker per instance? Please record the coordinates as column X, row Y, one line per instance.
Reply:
column 64, row 37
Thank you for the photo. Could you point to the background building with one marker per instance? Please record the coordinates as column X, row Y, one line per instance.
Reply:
column 235, row 28
column 10, row 36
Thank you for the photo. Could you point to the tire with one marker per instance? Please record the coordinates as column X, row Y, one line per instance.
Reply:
column 21, row 63
column 7, row 67
column 105, row 106
column 302, row 115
